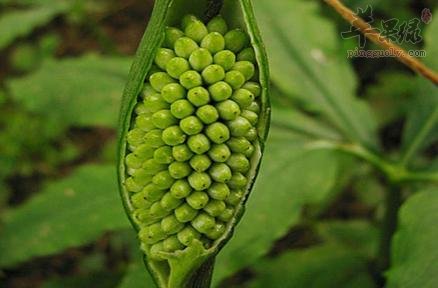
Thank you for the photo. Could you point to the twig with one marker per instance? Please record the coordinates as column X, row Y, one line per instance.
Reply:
column 382, row 41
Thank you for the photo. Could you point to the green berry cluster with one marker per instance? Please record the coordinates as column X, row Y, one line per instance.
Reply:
column 193, row 135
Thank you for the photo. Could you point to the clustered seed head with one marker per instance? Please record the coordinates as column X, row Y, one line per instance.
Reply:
column 193, row 136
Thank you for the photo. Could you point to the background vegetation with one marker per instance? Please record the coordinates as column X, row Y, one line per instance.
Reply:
column 345, row 133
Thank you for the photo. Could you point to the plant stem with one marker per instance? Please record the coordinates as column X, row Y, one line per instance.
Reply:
column 393, row 201
column 382, row 41
column 202, row 277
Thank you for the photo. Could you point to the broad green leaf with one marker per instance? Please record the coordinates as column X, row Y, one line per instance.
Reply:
column 20, row 23
column 83, row 91
column 70, row 212
column 422, row 125
column 414, row 253
column 325, row 266
column 291, row 176
column 137, row 276
column 306, row 65
column 359, row 236
column 95, row 280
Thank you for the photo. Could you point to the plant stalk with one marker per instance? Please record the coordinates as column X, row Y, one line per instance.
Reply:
column 203, row 276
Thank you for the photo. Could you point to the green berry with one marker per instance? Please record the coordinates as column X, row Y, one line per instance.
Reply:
column 220, row 172
column 200, row 58
column 254, row 107
column 141, row 177
column 219, row 153
column 144, row 122
column 181, row 153
column 156, row 250
column 203, row 223
column 132, row 161
column 252, row 134
column 218, row 191
column 236, row 40
column 182, row 108
column 235, row 79
column 163, row 180
column 163, row 56
column 139, row 200
column 185, row 46
column 207, row 114
column 163, row 119
column 247, row 54
column 199, row 181
column 196, row 30
column 140, row 108
column 132, row 186
column 179, row 170
column 198, row 96
column 177, row 66
column 252, row 117
column 243, row 97
column 155, row 103
column 157, row 211
column 248, row 153
column 187, row 235
column 225, row 58
column 199, row 144
column 187, row 19
column 172, row 92
column 185, row 213
column 238, row 181
column 160, row 79
column 228, row 110
column 190, row 79
column 191, row 125
column 173, row 136
column 217, row 24
column 246, row 68
column 217, row 231
column 220, row 91
column 152, row 234
column 169, row 202
column 135, row 137
column 253, row 87
column 163, row 155
column 144, row 151
column 213, row 42
column 172, row 244
column 181, row 189
column 218, row 132
column 215, row 207
column 152, row 167
column 154, row 138
column 200, row 163
column 171, row 225
column 227, row 214
column 197, row 200
column 213, row 73
column 172, row 34
column 239, row 126
column 147, row 90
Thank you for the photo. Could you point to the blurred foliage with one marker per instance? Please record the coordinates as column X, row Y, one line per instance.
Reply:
column 341, row 130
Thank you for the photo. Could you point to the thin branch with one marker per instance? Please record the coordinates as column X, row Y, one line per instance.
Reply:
column 382, row 41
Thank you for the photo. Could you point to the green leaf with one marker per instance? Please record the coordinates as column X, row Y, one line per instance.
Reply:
column 422, row 125
column 70, row 212
column 414, row 254
column 324, row 266
column 82, row 91
column 306, row 65
column 20, row 23
column 292, row 175
column 137, row 276
column 95, row 280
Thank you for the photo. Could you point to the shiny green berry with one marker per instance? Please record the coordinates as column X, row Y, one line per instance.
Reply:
column 179, row 170
column 154, row 138
column 152, row 234
column 217, row 24
column 132, row 161
column 197, row 200
column 177, row 66
column 139, row 200
column 187, row 235
column 152, row 167
column 169, row 202
column 246, row 68
column 227, row 214
column 181, row 189
column 200, row 58
column 213, row 73
column 254, row 107
column 253, row 87
column 132, row 186
column 236, row 40
column 171, row 225
column 173, row 136
column 243, row 97
column 160, row 79
column 207, row 114
column 247, row 54
column 157, row 211
column 218, row 132
column 228, row 110
column 239, row 144
column 163, row 155
column 219, row 153
column 156, row 250
column 185, row 213
column 163, row 56
column 182, row 108
column 187, row 19
column 172, row 34
column 181, row 153
column 172, row 92
column 185, row 46
column 144, row 122
column 190, row 79
column 238, row 163
column 218, row 191
column 200, row 163
column 191, row 125
column 135, row 137
column 215, row 207
column 203, row 223
column 196, row 30
column 238, row 181
column 144, row 151
column 155, row 103
column 239, row 126
column 220, row 172
column 199, row 181
column 217, row 231
column 220, row 91
column 199, row 144
column 252, row 117
column 141, row 177
column 198, row 96
column 163, row 119
column 163, row 180
column 172, row 244
column 213, row 42
column 225, row 58
column 252, row 134
column 235, row 78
